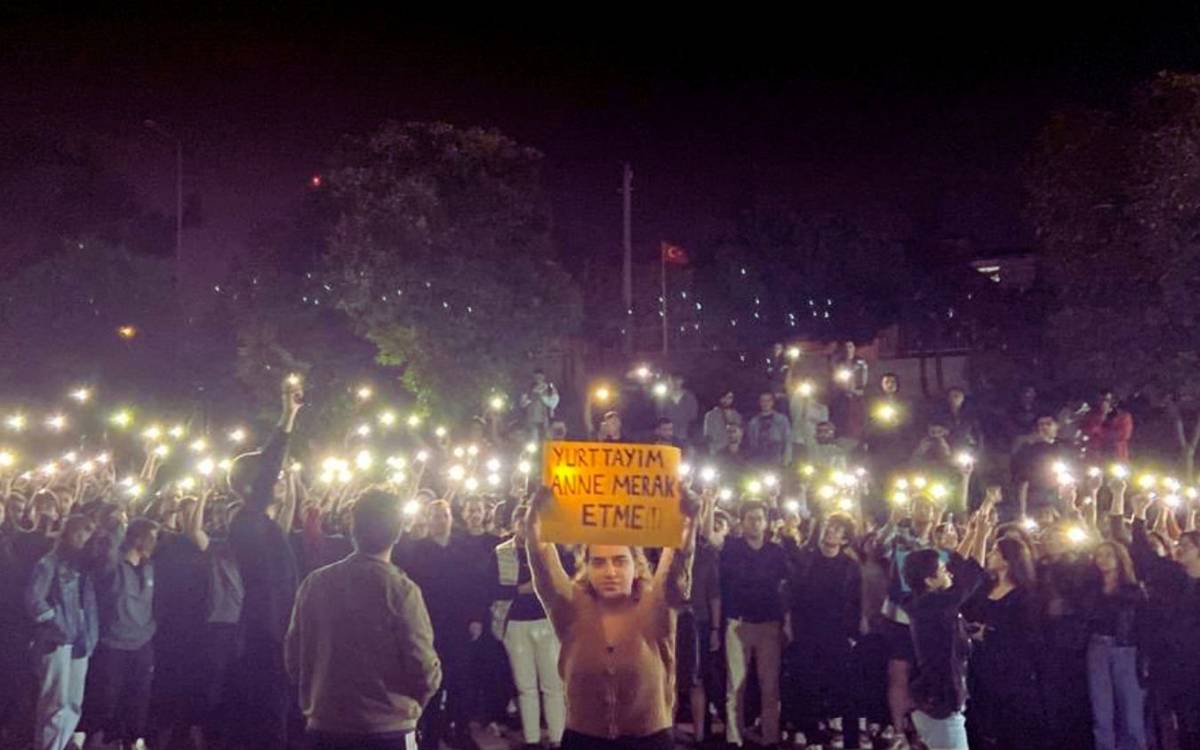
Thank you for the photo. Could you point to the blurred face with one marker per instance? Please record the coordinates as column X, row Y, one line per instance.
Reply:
column 147, row 544
column 1106, row 403
column 849, row 349
column 1187, row 553
column 937, row 432
column 1047, row 429
column 956, row 399
column 539, row 378
column 923, row 510
column 720, row 531
column 766, row 403
column 825, row 432
column 45, row 510
column 438, row 520
column 473, row 516
column 996, row 564
column 665, row 431
column 611, row 570
column 946, row 537
column 78, row 535
column 942, row 580
column 1106, row 559
column 754, row 525
column 735, row 435
column 833, row 536
column 727, row 401
column 889, row 384
column 611, row 427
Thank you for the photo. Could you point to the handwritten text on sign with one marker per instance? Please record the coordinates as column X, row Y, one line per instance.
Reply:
column 612, row 493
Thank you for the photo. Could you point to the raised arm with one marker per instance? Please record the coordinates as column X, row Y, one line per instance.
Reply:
column 550, row 581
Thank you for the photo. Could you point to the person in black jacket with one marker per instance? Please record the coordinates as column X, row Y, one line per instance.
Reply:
column 269, row 576
column 1182, row 672
column 1113, row 606
column 939, row 634
column 825, row 586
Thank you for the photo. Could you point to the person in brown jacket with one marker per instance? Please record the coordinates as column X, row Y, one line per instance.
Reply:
column 360, row 644
column 616, row 623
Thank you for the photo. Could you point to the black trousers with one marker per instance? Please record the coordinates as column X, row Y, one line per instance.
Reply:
column 261, row 696
column 117, row 692
column 327, row 741
column 663, row 740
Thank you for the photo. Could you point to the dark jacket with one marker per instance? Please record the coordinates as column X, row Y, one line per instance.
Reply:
column 941, row 643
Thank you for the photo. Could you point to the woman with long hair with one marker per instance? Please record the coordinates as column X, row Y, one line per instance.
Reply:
column 616, row 624
column 1003, row 709
column 1112, row 609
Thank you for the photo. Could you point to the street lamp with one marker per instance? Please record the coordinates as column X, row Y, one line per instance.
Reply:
column 152, row 125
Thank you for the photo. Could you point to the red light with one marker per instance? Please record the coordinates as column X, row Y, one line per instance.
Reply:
column 315, row 181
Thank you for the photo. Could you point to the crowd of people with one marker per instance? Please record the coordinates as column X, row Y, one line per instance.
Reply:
column 867, row 569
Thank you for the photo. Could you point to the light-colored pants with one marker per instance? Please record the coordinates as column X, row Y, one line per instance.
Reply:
column 60, row 698
column 949, row 733
column 762, row 642
column 532, row 650
column 1118, row 699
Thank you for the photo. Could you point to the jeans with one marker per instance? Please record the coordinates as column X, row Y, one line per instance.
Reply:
column 949, row 733
column 533, row 653
column 762, row 642
column 60, row 697
column 1118, row 699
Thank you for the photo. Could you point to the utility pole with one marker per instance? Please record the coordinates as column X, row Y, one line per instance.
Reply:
column 627, row 266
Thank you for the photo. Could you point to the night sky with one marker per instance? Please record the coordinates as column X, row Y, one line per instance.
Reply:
column 914, row 124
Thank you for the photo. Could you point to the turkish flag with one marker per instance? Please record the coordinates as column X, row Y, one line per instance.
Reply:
column 674, row 254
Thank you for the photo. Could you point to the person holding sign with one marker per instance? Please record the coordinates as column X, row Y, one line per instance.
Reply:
column 616, row 623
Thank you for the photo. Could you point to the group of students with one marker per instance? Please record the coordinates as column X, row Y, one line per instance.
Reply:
column 182, row 626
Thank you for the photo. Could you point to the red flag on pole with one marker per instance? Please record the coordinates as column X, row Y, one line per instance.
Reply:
column 674, row 254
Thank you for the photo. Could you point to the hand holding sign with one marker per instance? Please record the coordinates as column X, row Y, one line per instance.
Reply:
column 611, row 493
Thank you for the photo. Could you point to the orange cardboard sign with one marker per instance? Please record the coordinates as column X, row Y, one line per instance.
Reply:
column 612, row 493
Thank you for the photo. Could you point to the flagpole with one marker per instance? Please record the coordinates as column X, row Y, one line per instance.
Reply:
column 662, row 261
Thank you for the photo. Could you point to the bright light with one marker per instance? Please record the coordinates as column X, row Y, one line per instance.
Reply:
column 770, row 480
column 808, row 470
column 471, row 484
column 1191, row 493
column 122, row 419
column 1076, row 535
column 422, row 456
column 725, row 494
column 176, row 431
column 602, row 395
column 493, row 464
column 792, row 506
column 398, row 477
column 413, row 421
column 187, row 484
column 793, row 353
column 71, row 457
column 708, row 475
column 1147, row 481
column 901, row 483
column 524, row 467
column 531, row 447
column 472, row 450
column 754, row 487
column 826, row 492
column 364, row 460
column 899, row 498
column 127, row 332
column 1172, row 501
column 965, row 460
column 162, row 451
column 387, row 419
column 1120, row 471
column 456, row 473
column 363, row 430
column 205, row 467
column 7, row 459
column 225, row 464
column 81, row 395
column 153, row 432
column 296, row 467
column 1095, row 472
column 1172, row 484
column 846, row 504
column 293, row 379
column 843, row 375
column 57, row 422
column 1059, row 467
column 938, row 491
column 199, row 445
column 496, row 403
column 102, row 459
column 136, row 490
column 806, row 389
column 396, row 462
column 685, row 469
column 238, row 435
column 440, row 432
column 87, row 467
column 1029, row 524
column 459, row 451
column 412, row 508
column 493, row 480
column 364, row 393
column 16, row 422
column 642, row 372
column 886, row 413
column 660, row 390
